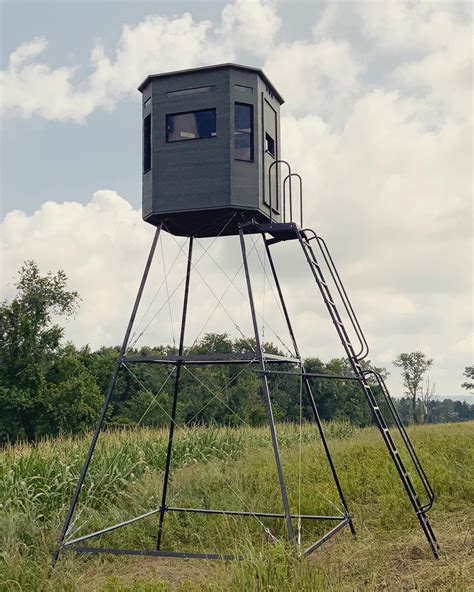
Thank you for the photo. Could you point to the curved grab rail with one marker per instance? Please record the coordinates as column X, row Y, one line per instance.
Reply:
column 276, row 162
column 364, row 348
column 288, row 178
column 401, row 428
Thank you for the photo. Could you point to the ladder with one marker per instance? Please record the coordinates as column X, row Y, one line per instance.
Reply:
column 355, row 354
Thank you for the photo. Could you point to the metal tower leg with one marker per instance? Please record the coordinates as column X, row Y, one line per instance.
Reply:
column 266, row 391
column 309, row 389
column 175, row 398
column 105, row 405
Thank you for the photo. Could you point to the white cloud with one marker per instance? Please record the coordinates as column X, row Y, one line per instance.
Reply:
column 250, row 24
column 156, row 44
column 417, row 25
column 387, row 171
column 436, row 39
column 318, row 77
column 97, row 244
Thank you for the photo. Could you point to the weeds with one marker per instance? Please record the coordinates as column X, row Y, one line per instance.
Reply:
column 233, row 468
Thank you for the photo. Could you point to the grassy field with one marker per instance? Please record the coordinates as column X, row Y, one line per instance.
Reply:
column 234, row 469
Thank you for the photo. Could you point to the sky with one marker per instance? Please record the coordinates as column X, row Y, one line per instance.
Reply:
column 377, row 119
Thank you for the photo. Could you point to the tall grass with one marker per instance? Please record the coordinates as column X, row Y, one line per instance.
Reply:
column 225, row 468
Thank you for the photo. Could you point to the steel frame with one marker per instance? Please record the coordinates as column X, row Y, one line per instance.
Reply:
column 278, row 232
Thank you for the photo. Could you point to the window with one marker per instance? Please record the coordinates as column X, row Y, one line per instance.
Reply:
column 189, row 91
column 147, row 143
column 147, row 103
column 191, row 126
column 270, row 145
column 243, row 132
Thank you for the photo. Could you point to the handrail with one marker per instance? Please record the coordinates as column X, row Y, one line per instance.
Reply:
column 364, row 348
column 401, row 428
column 276, row 162
column 288, row 178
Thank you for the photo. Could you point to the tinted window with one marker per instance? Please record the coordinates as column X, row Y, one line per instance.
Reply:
column 147, row 143
column 191, row 126
column 243, row 132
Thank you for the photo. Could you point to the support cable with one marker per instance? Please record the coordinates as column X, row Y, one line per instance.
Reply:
column 285, row 346
column 122, row 448
column 218, row 303
column 300, row 456
column 219, row 300
column 168, row 299
column 133, row 341
column 183, row 280
column 245, row 296
column 218, row 473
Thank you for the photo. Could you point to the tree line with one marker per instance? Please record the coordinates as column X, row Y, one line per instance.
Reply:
column 49, row 387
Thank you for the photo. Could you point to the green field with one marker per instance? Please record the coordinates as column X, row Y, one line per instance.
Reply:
column 234, row 469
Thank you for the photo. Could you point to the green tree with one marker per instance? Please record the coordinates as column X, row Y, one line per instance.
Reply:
column 413, row 367
column 38, row 376
column 469, row 374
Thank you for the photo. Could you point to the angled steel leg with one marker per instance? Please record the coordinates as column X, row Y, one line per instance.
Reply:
column 266, row 391
column 105, row 405
column 309, row 389
column 175, row 398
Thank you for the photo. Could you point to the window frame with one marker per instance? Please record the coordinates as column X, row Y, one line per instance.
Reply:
column 168, row 115
column 251, row 133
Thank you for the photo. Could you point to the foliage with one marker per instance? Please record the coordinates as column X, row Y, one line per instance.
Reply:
column 47, row 387
column 210, row 465
column 414, row 366
column 43, row 387
column 469, row 374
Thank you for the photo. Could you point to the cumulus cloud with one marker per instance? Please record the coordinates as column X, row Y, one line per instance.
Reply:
column 250, row 24
column 321, row 77
column 100, row 245
column 387, row 169
column 156, row 44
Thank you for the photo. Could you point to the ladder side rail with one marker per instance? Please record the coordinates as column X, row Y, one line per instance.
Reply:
column 347, row 303
column 404, row 476
column 364, row 348
column 406, row 439
column 313, row 257
column 308, row 387
column 357, row 369
column 328, row 299
column 390, row 443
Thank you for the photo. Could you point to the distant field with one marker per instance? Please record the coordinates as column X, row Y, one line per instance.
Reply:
column 234, row 469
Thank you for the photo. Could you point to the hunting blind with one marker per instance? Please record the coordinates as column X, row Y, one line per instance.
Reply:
column 209, row 138
column 212, row 167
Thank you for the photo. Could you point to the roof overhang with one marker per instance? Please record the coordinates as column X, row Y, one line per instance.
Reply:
column 260, row 72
